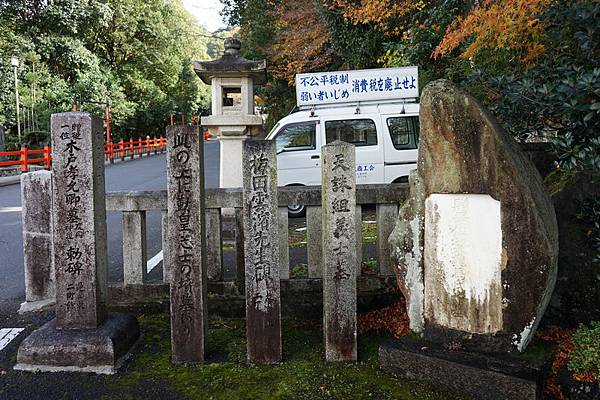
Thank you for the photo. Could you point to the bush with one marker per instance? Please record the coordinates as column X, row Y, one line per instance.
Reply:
column 585, row 356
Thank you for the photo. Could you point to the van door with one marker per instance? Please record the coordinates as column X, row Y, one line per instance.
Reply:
column 362, row 131
column 401, row 137
column 298, row 154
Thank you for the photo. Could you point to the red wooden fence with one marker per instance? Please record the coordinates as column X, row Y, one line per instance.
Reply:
column 121, row 149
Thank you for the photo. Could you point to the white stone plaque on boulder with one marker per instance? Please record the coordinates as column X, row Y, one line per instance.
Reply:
column 463, row 262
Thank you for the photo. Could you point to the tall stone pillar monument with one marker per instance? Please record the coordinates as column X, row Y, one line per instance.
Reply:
column 232, row 79
column 83, row 336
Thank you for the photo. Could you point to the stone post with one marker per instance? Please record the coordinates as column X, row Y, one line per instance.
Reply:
column 214, row 245
column 240, row 258
column 338, row 199
column 314, row 246
column 36, row 202
column 165, row 248
column 134, row 248
column 386, row 220
column 82, row 337
column 186, row 242
column 261, row 231
column 79, row 215
column 284, row 247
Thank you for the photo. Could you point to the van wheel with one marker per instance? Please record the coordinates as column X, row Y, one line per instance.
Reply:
column 296, row 211
column 402, row 179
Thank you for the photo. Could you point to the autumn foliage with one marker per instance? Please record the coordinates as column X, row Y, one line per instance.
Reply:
column 498, row 24
column 493, row 24
column 302, row 38
column 378, row 12
column 392, row 319
column 563, row 341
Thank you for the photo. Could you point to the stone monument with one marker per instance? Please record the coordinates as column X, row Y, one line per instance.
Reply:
column 232, row 79
column 476, row 244
column 83, row 336
column 261, row 232
column 338, row 199
column 186, row 242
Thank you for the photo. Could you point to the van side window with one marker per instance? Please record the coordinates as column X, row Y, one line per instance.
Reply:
column 295, row 137
column 359, row 132
column 404, row 132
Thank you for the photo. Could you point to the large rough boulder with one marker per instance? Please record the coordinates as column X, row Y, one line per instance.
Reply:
column 477, row 243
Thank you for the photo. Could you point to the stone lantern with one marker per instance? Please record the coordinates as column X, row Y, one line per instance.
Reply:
column 232, row 78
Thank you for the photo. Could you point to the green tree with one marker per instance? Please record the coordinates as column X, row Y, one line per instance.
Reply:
column 135, row 55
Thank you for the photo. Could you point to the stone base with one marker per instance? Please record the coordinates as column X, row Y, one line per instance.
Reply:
column 478, row 375
column 100, row 350
column 33, row 306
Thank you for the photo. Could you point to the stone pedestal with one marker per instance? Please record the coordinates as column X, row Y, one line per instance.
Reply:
column 82, row 337
column 482, row 376
column 102, row 350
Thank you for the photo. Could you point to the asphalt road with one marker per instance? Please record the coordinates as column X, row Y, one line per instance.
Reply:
column 139, row 174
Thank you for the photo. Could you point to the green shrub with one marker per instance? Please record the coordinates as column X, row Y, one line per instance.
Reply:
column 585, row 357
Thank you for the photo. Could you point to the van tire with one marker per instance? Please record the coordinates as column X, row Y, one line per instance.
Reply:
column 401, row 179
column 296, row 211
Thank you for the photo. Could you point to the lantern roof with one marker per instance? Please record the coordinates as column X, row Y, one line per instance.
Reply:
column 232, row 64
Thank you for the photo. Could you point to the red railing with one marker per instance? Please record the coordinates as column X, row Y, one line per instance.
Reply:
column 112, row 150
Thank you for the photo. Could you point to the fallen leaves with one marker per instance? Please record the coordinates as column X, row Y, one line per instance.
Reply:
column 563, row 339
column 392, row 319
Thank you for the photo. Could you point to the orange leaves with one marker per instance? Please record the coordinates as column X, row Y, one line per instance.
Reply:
column 563, row 339
column 377, row 12
column 498, row 24
column 564, row 345
column 392, row 319
column 302, row 38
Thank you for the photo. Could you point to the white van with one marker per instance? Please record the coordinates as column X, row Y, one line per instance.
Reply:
column 386, row 136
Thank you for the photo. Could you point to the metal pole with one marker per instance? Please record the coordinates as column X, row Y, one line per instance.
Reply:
column 33, row 96
column 24, row 120
column 108, row 140
column 17, row 101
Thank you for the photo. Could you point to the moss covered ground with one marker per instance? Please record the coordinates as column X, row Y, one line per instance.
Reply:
column 302, row 375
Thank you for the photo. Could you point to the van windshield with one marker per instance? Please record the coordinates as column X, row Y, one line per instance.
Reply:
column 295, row 137
column 404, row 132
column 359, row 132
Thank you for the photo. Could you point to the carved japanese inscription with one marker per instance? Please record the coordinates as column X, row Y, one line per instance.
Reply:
column 339, row 251
column 185, row 241
column 263, row 314
column 79, row 214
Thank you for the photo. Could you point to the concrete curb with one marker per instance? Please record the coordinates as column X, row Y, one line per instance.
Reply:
column 10, row 180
